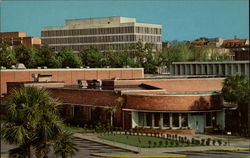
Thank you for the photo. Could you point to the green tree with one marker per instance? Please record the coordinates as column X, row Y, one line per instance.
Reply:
column 48, row 57
column 7, row 56
column 32, row 123
column 27, row 56
column 68, row 58
column 92, row 57
column 236, row 90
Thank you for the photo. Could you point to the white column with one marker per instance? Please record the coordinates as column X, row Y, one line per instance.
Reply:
column 246, row 69
column 191, row 69
column 153, row 119
column 161, row 120
column 179, row 120
column 134, row 119
column 144, row 119
column 208, row 69
column 186, row 69
column 214, row 69
column 197, row 69
column 239, row 68
column 220, row 69
column 170, row 120
column 175, row 69
column 181, row 69
column 232, row 69
column 202, row 69
column 226, row 70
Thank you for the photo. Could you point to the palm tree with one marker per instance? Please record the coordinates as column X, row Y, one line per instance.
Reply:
column 32, row 122
column 64, row 145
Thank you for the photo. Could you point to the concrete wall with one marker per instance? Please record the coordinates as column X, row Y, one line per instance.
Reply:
column 225, row 68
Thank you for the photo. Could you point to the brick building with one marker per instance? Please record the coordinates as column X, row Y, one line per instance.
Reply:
column 116, row 33
column 15, row 39
column 180, row 105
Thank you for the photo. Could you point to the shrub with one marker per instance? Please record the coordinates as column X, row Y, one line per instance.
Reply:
column 193, row 141
column 208, row 141
column 219, row 142
column 172, row 143
column 214, row 142
column 177, row 144
column 155, row 144
column 202, row 141
column 188, row 142
column 166, row 143
column 160, row 143
column 149, row 143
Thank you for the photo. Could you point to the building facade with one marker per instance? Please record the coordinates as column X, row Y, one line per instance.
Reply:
column 116, row 33
column 223, row 69
column 16, row 39
column 177, row 105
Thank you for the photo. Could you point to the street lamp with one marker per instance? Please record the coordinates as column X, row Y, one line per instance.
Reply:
column 228, row 133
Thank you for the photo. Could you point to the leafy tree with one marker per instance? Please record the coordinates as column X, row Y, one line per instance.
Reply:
column 92, row 58
column 27, row 56
column 236, row 89
column 7, row 56
column 67, row 58
column 32, row 123
column 48, row 57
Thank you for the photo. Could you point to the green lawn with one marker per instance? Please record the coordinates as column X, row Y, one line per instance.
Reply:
column 79, row 130
column 143, row 141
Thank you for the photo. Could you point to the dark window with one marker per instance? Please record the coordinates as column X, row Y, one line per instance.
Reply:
column 149, row 119
column 175, row 120
column 184, row 120
column 157, row 119
column 166, row 120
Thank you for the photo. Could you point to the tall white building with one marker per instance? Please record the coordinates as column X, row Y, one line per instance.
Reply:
column 116, row 33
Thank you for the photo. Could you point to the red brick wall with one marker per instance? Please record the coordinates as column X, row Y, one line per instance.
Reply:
column 69, row 76
column 173, row 103
column 86, row 97
column 179, row 85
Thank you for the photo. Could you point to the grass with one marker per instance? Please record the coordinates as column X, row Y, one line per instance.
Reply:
column 143, row 141
column 79, row 130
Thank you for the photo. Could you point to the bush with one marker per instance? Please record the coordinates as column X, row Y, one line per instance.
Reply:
column 214, row 142
column 208, row 141
column 149, row 143
column 202, row 141
column 219, row 142
column 188, row 142
column 160, row 143
column 155, row 144
column 166, row 143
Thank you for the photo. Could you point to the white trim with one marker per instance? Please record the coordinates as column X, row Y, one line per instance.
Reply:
column 135, row 110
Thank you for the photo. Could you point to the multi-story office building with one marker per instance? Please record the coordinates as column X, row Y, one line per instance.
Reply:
column 116, row 33
column 16, row 39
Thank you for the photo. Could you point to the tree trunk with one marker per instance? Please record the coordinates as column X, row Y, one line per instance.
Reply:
column 111, row 118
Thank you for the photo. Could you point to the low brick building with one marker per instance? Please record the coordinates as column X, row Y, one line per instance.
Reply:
column 181, row 105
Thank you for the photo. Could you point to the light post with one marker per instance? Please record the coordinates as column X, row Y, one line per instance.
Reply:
column 228, row 133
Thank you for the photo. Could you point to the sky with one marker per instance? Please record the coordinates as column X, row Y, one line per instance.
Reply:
column 180, row 19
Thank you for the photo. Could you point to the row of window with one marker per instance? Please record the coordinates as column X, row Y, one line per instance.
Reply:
column 101, row 39
column 99, row 31
column 154, row 119
column 209, row 69
column 100, row 47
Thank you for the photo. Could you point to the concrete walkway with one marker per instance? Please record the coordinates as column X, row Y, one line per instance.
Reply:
column 163, row 152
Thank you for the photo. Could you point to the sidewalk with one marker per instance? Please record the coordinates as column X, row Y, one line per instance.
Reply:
column 146, row 151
